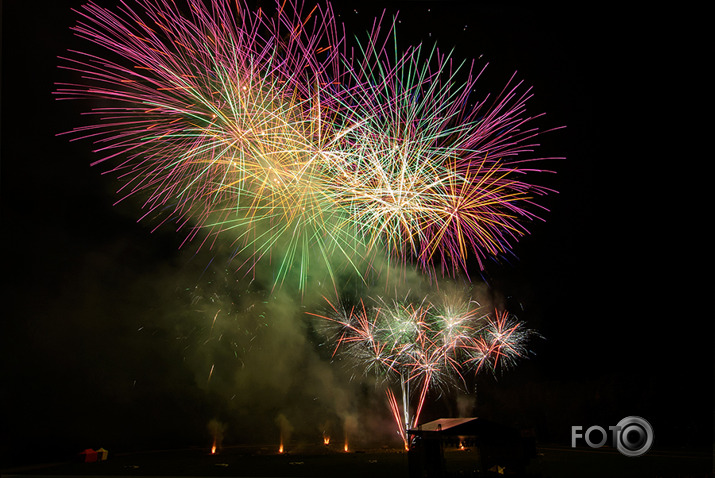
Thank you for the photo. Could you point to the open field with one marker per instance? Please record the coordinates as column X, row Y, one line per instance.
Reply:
column 551, row 462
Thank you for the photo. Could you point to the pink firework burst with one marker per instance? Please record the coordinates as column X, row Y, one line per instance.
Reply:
column 425, row 345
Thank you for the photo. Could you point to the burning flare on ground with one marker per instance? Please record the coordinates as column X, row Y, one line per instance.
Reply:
column 217, row 430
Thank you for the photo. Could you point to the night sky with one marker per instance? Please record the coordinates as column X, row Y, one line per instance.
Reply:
column 106, row 326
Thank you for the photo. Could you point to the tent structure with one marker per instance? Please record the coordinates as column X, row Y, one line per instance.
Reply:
column 93, row 456
column 466, row 447
column 90, row 456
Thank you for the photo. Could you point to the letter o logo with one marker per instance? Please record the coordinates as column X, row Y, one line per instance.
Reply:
column 587, row 436
column 635, row 436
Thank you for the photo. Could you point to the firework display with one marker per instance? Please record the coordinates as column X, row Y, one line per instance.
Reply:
column 428, row 175
column 261, row 129
column 425, row 345
column 265, row 131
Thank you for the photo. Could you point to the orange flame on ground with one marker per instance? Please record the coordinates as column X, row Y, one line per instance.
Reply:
column 213, row 447
column 326, row 440
column 280, row 448
column 346, row 446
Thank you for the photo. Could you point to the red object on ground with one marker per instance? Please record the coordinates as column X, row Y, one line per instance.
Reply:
column 90, row 456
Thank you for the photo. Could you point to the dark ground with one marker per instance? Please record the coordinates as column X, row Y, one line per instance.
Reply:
column 551, row 461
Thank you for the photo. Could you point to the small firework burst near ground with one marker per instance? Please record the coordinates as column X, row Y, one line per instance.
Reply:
column 263, row 129
column 425, row 345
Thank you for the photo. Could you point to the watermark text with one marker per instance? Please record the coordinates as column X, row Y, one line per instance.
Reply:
column 632, row 436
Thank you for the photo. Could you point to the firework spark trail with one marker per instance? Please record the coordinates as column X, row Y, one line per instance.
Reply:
column 256, row 127
column 502, row 343
column 220, row 118
column 395, row 410
column 441, row 177
column 425, row 345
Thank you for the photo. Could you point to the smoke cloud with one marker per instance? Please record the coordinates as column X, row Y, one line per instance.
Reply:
column 216, row 429
column 182, row 340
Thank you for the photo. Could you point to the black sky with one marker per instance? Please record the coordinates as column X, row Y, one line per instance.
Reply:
column 618, row 278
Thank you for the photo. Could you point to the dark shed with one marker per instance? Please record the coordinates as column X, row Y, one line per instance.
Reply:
column 466, row 447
